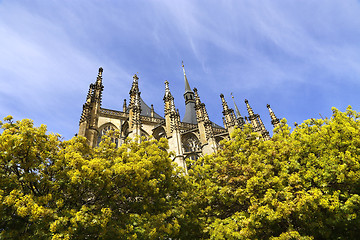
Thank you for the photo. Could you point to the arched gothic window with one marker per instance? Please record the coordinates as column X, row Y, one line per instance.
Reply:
column 104, row 130
column 191, row 146
column 159, row 133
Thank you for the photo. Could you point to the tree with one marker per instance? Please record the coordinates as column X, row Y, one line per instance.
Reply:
column 53, row 189
column 299, row 185
column 303, row 184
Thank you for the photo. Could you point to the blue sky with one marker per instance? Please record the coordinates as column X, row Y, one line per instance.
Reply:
column 301, row 57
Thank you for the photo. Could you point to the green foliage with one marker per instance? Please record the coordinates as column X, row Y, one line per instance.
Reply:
column 299, row 185
column 303, row 184
column 51, row 189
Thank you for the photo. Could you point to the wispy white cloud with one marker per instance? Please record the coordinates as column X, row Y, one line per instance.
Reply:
column 272, row 50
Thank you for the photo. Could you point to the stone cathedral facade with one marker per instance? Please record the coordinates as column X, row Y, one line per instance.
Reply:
column 193, row 136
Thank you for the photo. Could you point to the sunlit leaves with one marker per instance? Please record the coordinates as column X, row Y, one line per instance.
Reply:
column 303, row 184
column 53, row 189
column 299, row 185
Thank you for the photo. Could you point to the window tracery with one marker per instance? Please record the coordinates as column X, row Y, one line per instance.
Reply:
column 191, row 146
column 105, row 130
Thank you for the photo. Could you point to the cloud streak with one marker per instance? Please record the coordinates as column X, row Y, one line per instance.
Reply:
column 301, row 58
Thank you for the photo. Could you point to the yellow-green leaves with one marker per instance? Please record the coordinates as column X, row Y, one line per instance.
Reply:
column 303, row 184
column 52, row 189
column 299, row 185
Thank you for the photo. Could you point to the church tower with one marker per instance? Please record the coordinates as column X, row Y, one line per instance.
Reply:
column 91, row 108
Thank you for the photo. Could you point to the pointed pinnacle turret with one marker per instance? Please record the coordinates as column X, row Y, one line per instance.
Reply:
column 187, row 85
column 167, row 91
column 152, row 111
column 135, row 84
column 99, row 77
column 137, row 100
column 88, row 97
column 249, row 109
column 274, row 120
column 124, row 106
column 98, row 87
column 264, row 133
column 230, row 120
column 197, row 98
column 224, row 103
column 168, row 99
column 246, row 120
column 135, row 78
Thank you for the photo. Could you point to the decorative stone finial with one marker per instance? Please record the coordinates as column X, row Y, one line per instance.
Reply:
column 167, row 90
column 135, row 77
column 124, row 106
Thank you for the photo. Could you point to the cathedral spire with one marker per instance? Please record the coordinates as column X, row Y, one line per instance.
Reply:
column 236, row 108
column 190, row 113
column 187, row 85
column 274, row 120
column 239, row 118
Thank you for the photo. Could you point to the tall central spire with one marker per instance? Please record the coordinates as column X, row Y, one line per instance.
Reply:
column 190, row 113
column 236, row 108
column 239, row 118
column 187, row 85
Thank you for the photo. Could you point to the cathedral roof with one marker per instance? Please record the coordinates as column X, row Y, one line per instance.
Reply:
column 216, row 126
column 146, row 110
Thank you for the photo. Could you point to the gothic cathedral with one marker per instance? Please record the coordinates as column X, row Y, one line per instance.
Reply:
column 192, row 137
